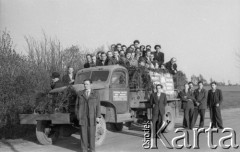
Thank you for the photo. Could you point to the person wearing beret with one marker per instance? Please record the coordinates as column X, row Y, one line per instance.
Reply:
column 56, row 82
column 158, row 55
column 136, row 43
column 148, row 47
column 88, row 113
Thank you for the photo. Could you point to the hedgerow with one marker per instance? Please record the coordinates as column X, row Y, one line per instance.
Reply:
column 23, row 76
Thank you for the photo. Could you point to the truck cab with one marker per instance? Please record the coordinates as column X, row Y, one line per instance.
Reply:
column 112, row 85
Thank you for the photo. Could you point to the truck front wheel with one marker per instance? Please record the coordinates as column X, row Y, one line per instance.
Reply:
column 46, row 134
column 170, row 118
column 101, row 131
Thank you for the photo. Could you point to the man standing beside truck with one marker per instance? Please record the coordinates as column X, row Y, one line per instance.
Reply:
column 188, row 100
column 88, row 113
column 214, row 101
column 158, row 101
column 200, row 105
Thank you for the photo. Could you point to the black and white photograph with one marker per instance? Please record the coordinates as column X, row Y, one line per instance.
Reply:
column 119, row 75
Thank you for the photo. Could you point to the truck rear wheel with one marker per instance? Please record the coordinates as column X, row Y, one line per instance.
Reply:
column 101, row 131
column 46, row 135
column 170, row 118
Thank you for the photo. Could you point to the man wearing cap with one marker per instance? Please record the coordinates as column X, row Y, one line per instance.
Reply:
column 88, row 113
column 158, row 55
column 56, row 83
column 172, row 66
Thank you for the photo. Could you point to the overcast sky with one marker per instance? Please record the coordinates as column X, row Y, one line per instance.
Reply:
column 202, row 34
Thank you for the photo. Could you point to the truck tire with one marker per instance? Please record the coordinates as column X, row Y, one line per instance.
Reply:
column 67, row 130
column 114, row 127
column 118, row 126
column 101, row 132
column 169, row 117
column 45, row 133
column 128, row 125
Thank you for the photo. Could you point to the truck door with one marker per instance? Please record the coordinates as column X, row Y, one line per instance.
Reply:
column 119, row 91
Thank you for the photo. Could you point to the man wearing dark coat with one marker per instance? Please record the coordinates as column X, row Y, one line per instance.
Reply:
column 147, row 57
column 187, row 98
column 88, row 113
column 158, row 55
column 158, row 101
column 94, row 61
column 89, row 61
column 214, row 101
column 171, row 66
column 56, row 82
column 110, row 59
column 200, row 105
column 104, row 61
column 116, row 58
column 69, row 77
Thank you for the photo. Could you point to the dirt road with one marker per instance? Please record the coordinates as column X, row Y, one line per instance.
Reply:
column 130, row 140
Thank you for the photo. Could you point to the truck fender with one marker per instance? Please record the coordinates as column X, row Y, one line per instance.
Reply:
column 109, row 110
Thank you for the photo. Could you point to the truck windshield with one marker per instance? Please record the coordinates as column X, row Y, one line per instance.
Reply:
column 95, row 76
column 99, row 76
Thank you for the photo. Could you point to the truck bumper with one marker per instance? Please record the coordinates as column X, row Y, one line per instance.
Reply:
column 57, row 118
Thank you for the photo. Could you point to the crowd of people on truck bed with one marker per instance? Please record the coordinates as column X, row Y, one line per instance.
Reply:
column 135, row 55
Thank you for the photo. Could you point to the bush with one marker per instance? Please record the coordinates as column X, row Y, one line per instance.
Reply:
column 23, row 77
